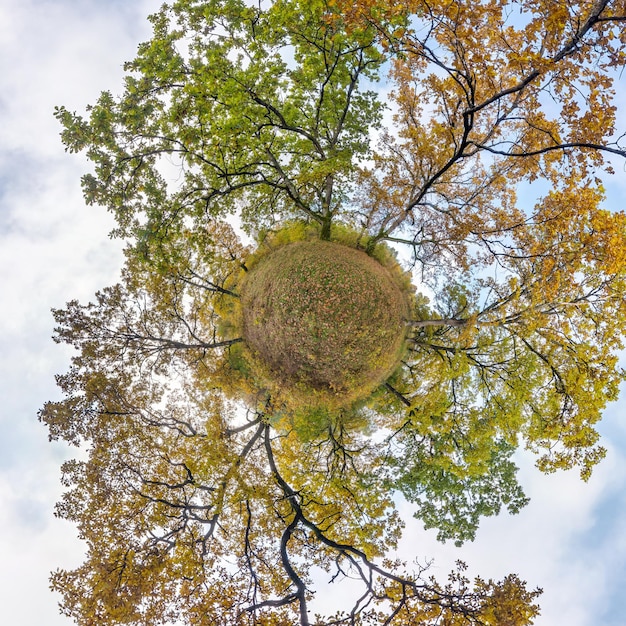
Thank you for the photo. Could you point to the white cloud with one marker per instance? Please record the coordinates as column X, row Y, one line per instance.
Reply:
column 52, row 249
column 36, row 544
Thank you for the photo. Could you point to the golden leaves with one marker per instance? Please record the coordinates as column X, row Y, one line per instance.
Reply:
column 208, row 510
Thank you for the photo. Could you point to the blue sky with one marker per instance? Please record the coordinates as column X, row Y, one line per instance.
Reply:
column 571, row 539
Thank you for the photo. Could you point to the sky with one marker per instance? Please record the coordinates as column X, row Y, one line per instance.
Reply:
column 570, row 540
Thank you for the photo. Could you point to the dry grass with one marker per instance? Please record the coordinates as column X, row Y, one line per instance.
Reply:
column 322, row 321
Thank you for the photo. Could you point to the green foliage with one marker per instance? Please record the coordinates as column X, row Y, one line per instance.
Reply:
column 454, row 485
column 264, row 118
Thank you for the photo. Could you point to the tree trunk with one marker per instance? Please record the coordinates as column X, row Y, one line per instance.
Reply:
column 325, row 234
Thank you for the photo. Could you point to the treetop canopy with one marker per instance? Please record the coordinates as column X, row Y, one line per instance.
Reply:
column 374, row 125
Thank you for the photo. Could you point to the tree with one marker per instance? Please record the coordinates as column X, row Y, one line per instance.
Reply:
column 208, row 498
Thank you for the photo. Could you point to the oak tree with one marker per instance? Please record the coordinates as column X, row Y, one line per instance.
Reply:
column 209, row 494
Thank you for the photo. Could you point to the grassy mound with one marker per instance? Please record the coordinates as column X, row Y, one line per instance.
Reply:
column 322, row 320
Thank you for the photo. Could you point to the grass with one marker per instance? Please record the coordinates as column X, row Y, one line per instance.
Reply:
column 324, row 323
